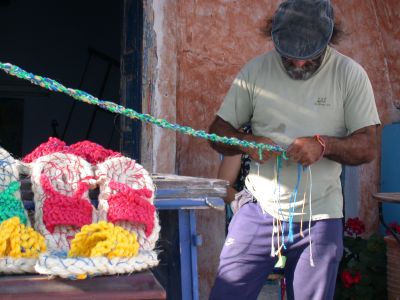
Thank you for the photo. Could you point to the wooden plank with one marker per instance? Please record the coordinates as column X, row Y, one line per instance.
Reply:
column 387, row 197
column 167, row 187
column 136, row 286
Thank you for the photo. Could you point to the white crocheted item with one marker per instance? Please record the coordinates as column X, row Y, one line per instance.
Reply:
column 127, row 171
column 10, row 265
column 65, row 172
column 9, row 173
column 79, row 268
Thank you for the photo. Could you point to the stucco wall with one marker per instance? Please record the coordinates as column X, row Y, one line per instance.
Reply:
column 212, row 41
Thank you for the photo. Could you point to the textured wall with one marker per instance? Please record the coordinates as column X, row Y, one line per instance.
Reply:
column 214, row 38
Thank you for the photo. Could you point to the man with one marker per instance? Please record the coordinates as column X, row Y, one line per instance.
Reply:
column 318, row 105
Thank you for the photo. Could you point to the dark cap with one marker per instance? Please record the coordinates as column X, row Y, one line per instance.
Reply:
column 301, row 29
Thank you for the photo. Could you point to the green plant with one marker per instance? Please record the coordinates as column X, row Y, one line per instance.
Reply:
column 362, row 270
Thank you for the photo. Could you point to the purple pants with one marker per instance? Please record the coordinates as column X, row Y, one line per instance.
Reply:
column 245, row 260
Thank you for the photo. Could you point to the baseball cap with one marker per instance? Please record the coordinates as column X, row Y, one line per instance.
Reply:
column 301, row 29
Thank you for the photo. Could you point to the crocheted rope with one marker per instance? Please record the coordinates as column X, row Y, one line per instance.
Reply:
column 59, row 209
column 132, row 176
column 53, row 85
column 51, row 146
column 81, row 268
column 10, row 205
column 91, row 152
column 66, row 172
column 10, row 195
column 19, row 247
column 104, row 239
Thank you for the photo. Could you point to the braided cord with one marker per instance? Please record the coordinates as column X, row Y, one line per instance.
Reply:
column 79, row 95
column 19, row 241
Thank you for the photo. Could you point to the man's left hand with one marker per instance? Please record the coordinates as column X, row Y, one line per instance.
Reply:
column 305, row 150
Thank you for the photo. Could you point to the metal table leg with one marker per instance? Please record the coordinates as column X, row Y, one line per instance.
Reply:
column 188, row 241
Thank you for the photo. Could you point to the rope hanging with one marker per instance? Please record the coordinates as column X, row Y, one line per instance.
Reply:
column 79, row 95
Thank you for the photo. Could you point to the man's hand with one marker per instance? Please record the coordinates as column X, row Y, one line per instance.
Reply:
column 223, row 128
column 253, row 152
column 305, row 150
column 355, row 149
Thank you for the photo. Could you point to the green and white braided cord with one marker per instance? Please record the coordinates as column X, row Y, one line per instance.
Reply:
column 55, row 86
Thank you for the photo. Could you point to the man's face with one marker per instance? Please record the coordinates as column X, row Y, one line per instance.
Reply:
column 302, row 69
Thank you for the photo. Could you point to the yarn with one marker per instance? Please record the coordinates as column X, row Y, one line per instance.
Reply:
column 104, row 239
column 62, row 180
column 128, row 172
column 11, row 206
column 51, row 146
column 131, row 205
column 60, row 209
column 19, row 241
column 92, row 152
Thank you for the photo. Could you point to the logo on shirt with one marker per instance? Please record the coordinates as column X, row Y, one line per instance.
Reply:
column 322, row 101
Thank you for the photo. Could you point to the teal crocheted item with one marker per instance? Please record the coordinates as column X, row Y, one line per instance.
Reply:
column 10, row 206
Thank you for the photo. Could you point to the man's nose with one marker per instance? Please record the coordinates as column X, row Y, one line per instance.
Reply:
column 299, row 63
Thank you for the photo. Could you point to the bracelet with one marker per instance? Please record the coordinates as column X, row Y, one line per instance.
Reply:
column 321, row 141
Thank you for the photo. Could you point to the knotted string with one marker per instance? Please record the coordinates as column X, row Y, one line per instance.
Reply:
column 292, row 202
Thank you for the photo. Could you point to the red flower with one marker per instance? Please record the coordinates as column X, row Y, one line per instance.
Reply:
column 395, row 227
column 349, row 280
column 354, row 226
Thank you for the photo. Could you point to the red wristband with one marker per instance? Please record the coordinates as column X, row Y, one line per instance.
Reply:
column 321, row 141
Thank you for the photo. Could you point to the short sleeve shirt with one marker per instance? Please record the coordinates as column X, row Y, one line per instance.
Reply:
column 336, row 101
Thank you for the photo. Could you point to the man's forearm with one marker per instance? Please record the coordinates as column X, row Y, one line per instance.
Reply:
column 356, row 149
column 222, row 128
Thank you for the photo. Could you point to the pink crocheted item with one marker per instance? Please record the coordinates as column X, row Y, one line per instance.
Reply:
column 49, row 147
column 131, row 205
column 65, row 210
column 92, row 152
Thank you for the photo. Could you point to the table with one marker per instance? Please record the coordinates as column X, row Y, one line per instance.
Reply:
column 38, row 287
column 388, row 198
column 182, row 195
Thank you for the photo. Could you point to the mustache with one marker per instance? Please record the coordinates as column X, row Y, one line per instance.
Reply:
column 304, row 72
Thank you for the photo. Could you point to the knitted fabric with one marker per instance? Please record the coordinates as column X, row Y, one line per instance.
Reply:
column 51, row 146
column 62, row 206
column 123, row 184
column 10, row 196
column 131, row 205
column 18, row 241
column 11, row 206
column 104, row 239
column 92, row 152
column 60, row 209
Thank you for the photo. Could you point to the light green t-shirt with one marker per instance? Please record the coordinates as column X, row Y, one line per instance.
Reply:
column 336, row 101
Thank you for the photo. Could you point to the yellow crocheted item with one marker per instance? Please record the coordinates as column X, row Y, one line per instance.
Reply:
column 19, row 241
column 104, row 239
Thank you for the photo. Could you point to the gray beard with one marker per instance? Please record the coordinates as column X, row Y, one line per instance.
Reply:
column 304, row 72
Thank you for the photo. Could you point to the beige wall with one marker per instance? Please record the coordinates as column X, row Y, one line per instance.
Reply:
column 201, row 45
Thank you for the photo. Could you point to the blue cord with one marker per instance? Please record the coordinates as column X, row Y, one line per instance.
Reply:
column 293, row 198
